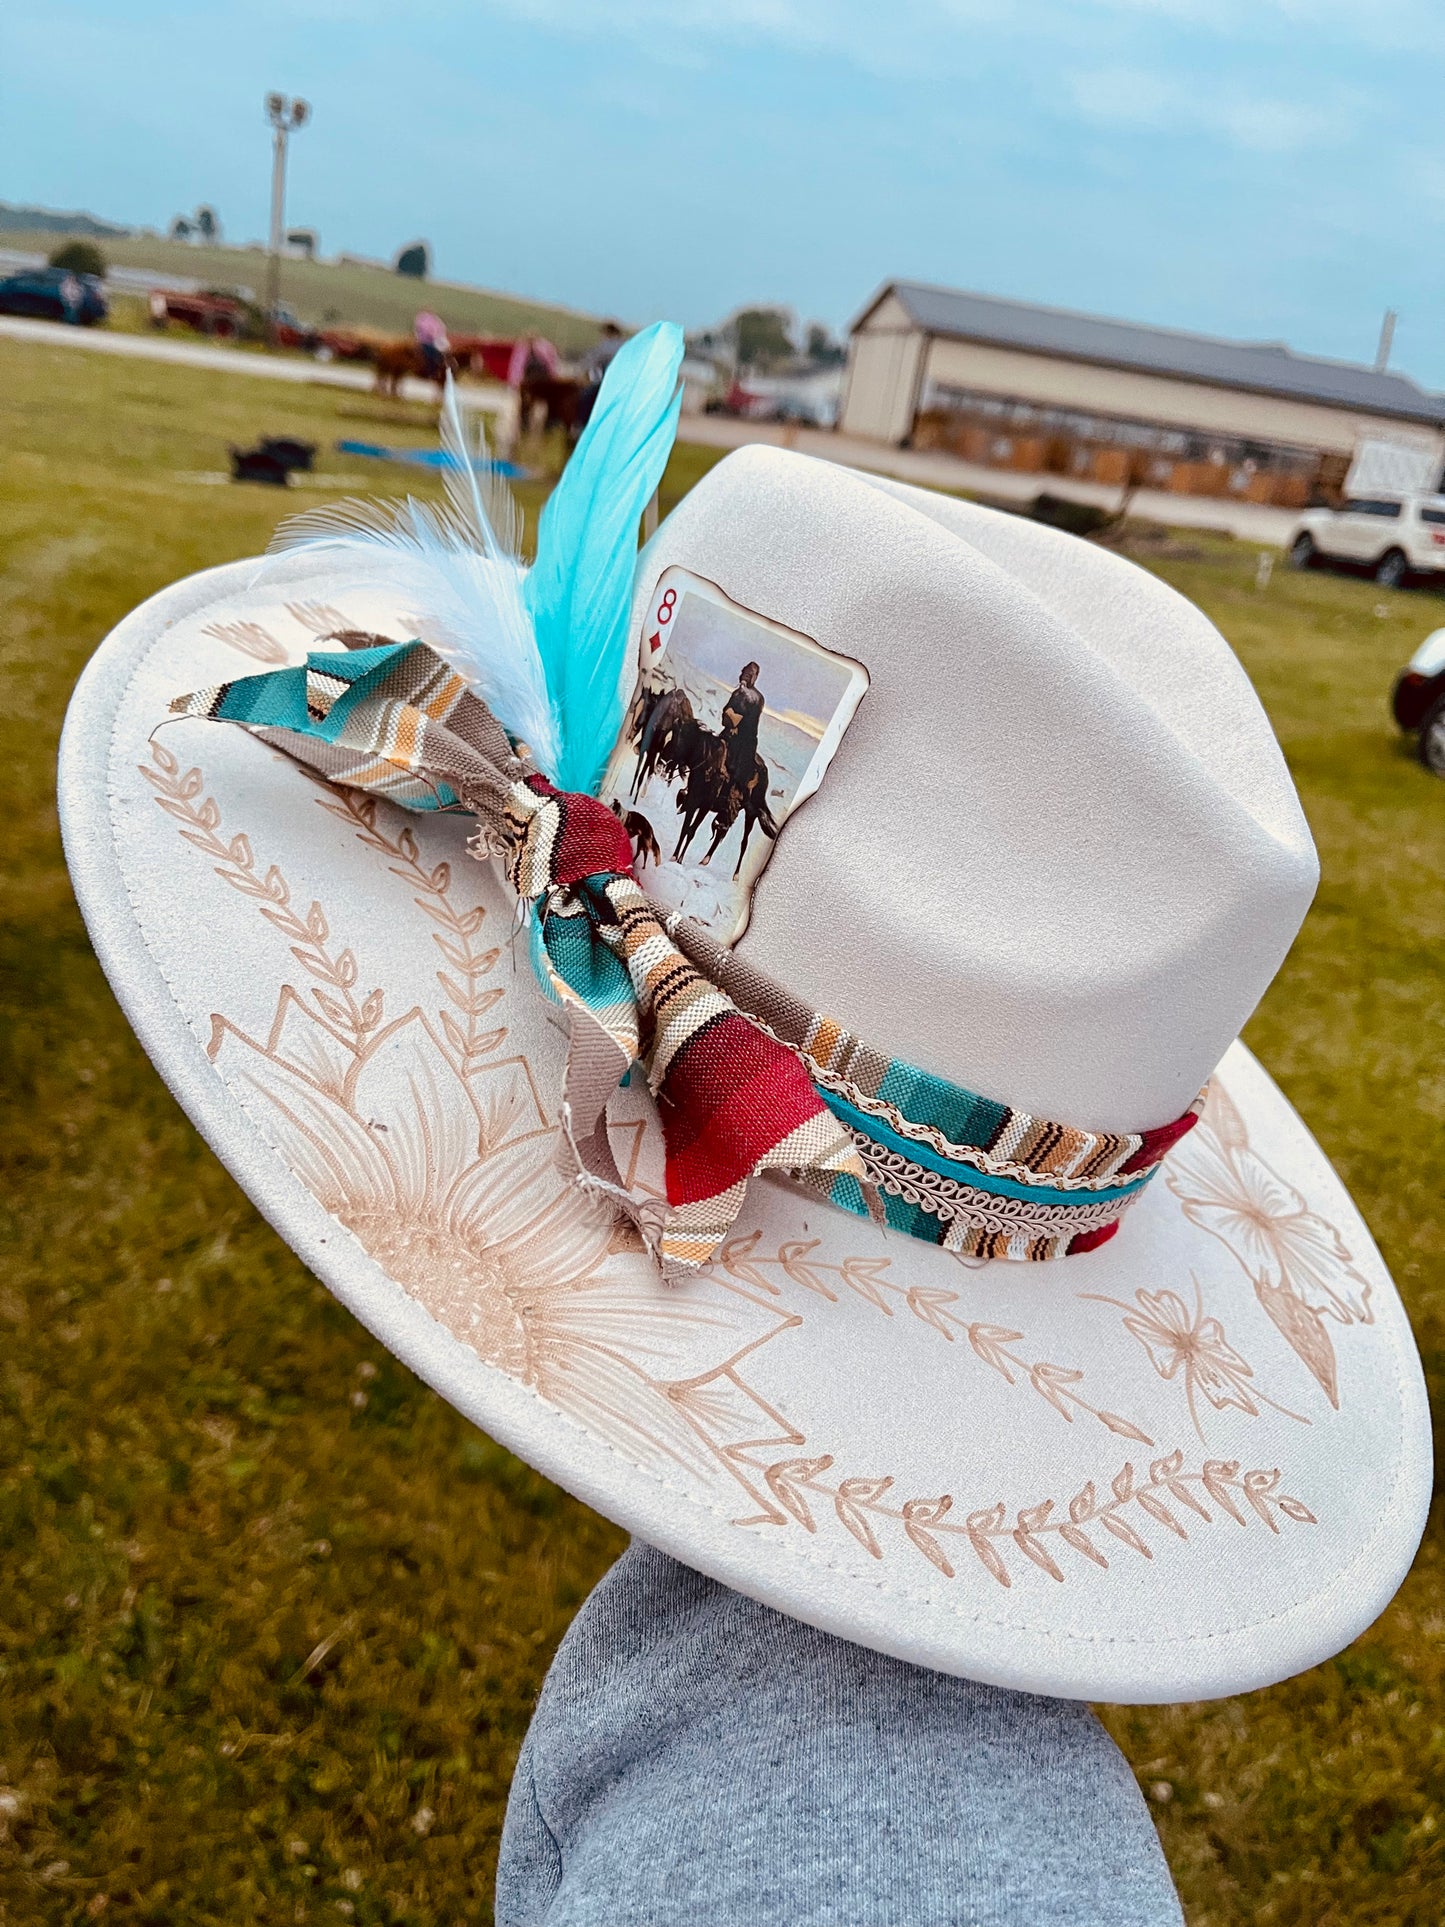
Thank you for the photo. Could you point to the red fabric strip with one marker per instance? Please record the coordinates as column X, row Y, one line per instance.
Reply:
column 592, row 841
column 731, row 1094
column 1156, row 1143
column 1091, row 1240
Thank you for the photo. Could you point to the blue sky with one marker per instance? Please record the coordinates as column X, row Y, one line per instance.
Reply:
column 1260, row 168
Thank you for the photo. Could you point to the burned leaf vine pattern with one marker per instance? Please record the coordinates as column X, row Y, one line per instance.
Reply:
column 448, row 1180
column 351, row 1015
column 255, row 640
column 252, row 639
column 456, row 935
column 1171, row 1497
column 526, row 1272
column 870, row 1279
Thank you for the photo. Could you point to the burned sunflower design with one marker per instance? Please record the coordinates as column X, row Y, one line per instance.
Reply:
column 458, row 1201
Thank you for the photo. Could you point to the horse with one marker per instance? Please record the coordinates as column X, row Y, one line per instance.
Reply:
column 562, row 398
column 711, row 789
column 661, row 723
column 706, row 782
column 751, row 799
column 395, row 360
column 639, row 713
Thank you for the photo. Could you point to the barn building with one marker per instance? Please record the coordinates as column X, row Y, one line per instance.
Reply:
column 1044, row 391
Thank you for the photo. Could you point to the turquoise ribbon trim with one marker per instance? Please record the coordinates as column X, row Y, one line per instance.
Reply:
column 961, row 1116
column 580, row 959
column 277, row 700
column 875, row 1128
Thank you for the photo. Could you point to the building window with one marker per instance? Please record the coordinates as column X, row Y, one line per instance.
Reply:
column 1004, row 431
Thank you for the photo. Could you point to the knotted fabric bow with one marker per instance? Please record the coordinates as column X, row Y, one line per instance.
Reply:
column 747, row 1077
column 732, row 1099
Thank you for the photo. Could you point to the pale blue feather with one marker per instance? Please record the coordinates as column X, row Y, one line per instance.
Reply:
column 457, row 570
column 579, row 591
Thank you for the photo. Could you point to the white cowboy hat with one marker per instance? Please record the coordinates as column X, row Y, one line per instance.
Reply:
column 1056, row 860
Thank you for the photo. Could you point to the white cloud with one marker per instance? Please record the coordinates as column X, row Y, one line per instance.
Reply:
column 1243, row 74
column 1264, row 126
column 914, row 36
column 1127, row 98
column 907, row 32
column 1239, row 75
column 905, row 37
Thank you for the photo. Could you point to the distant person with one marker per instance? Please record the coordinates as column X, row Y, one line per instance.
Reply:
column 595, row 363
column 433, row 344
column 600, row 355
column 541, row 362
column 533, row 359
column 741, row 720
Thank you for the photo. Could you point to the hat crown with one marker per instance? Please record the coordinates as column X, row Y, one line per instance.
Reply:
column 1058, row 856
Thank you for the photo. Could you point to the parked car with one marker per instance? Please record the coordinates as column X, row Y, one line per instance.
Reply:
column 1392, row 536
column 209, row 313
column 55, row 294
column 1418, row 700
column 343, row 344
column 290, row 332
column 228, row 316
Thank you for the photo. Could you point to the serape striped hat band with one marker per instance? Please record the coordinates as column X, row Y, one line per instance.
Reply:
column 746, row 1076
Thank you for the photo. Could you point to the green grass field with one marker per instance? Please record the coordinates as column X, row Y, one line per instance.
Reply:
column 271, row 1615
column 325, row 291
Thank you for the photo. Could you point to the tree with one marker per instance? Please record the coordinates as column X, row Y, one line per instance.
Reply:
column 81, row 257
column 415, row 261
column 208, row 224
column 762, row 336
column 823, row 350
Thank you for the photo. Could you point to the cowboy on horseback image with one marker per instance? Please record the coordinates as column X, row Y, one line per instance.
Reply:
column 723, row 772
column 740, row 785
column 740, row 721
column 704, row 744
column 725, row 781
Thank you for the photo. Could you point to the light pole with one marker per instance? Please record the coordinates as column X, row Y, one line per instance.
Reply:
column 285, row 116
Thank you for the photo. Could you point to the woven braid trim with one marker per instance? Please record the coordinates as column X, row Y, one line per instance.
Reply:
column 991, row 1236
column 971, row 1154
column 1011, row 1216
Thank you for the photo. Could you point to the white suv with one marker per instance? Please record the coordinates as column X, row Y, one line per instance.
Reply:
column 1391, row 535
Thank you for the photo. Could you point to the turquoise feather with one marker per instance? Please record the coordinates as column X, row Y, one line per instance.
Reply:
column 579, row 591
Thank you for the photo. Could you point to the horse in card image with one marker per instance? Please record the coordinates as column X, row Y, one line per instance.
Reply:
column 733, row 724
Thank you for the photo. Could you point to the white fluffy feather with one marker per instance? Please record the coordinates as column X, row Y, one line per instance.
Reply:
column 457, row 569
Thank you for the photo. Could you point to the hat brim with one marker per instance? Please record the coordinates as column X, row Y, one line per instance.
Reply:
column 1190, row 1463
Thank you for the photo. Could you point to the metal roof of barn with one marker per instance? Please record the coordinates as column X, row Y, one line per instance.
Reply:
column 1263, row 367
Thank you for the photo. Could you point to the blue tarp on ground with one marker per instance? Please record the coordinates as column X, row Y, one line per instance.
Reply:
column 428, row 458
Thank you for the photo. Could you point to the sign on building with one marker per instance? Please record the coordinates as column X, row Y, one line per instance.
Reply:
column 1394, row 468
